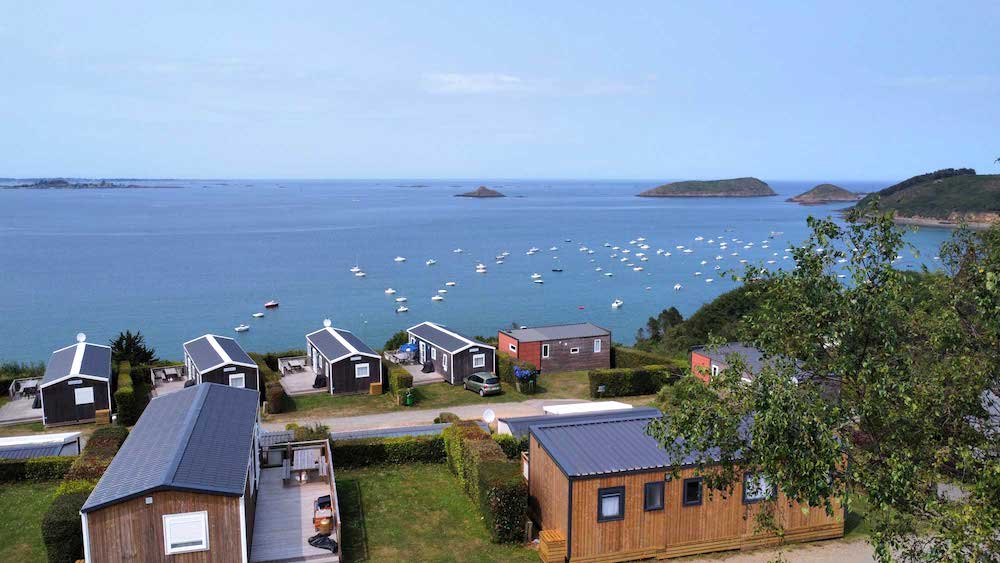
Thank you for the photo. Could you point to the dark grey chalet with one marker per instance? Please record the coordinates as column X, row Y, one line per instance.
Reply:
column 77, row 383
column 218, row 359
column 348, row 364
column 453, row 355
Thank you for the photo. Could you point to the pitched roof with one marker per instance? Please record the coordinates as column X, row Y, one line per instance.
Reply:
column 754, row 358
column 28, row 451
column 444, row 338
column 557, row 332
column 80, row 359
column 336, row 344
column 601, row 446
column 210, row 351
column 520, row 425
column 196, row 439
column 424, row 430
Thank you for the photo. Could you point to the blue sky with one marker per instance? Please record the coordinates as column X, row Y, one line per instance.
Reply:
column 658, row 90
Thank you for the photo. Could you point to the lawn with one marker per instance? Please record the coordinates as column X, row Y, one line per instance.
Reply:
column 26, row 428
column 414, row 513
column 22, row 506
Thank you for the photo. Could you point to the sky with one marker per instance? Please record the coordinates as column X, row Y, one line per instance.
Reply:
column 650, row 90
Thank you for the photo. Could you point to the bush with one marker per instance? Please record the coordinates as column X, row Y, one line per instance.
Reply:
column 276, row 397
column 399, row 379
column 503, row 501
column 506, row 365
column 315, row 431
column 511, row 445
column 274, row 394
column 624, row 357
column 77, row 486
column 35, row 469
column 396, row 340
column 446, row 417
column 621, row 382
column 374, row 451
column 101, row 448
column 62, row 530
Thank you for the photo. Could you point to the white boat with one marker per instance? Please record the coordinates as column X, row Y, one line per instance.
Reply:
column 598, row 269
column 679, row 247
column 617, row 303
column 553, row 248
column 667, row 254
column 718, row 257
column 644, row 259
column 590, row 251
column 538, row 281
column 607, row 245
column 431, row 262
column 450, row 284
column 457, row 251
column 584, row 249
column 390, row 291
column 640, row 239
column 399, row 259
column 616, row 248
column 626, row 251
column 499, row 261
column 355, row 269
column 257, row 315
column 697, row 273
column 709, row 280
column 677, row 287
column 688, row 251
column 271, row 304
column 442, row 291
column 534, row 249
column 480, row 270
column 637, row 269
column 644, row 246
column 242, row 328
column 699, row 238
column 771, row 261
column 535, row 276
column 359, row 274
column 480, row 265
column 703, row 262
column 400, row 300
column 659, row 251
column 609, row 274
column 437, row 298
column 402, row 309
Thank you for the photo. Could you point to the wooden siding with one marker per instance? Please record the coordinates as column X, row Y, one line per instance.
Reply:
column 59, row 401
column 461, row 363
column 342, row 378
column 639, row 534
column 220, row 375
column 560, row 359
column 548, row 490
column 132, row 531
column 701, row 366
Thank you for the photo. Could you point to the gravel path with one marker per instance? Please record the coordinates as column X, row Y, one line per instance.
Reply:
column 839, row 551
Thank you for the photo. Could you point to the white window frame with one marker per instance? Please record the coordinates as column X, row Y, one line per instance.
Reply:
column 358, row 370
column 513, row 348
column 83, row 391
column 478, row 361
column 545, row 350
column 715, row 370
column 574, row 350
column 434, row 353
column 597, row 345
column 444, row 362
column 242, row 376
column 201, row 516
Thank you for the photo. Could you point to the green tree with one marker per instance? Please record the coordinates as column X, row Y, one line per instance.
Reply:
column 653, row 328
column 396, row 340
column 132, row 348
column 882, row 386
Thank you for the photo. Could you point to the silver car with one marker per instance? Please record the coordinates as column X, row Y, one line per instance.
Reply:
column 483, row 383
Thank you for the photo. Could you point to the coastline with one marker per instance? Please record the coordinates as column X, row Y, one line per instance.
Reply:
column 933, row 223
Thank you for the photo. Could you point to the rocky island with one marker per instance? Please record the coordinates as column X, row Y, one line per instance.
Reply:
column 481, row 191
column 825, row 193
column 735, row 187
column 64, row 184
column 944, row 198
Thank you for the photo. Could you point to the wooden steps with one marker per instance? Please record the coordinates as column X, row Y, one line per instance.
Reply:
column 552, row 546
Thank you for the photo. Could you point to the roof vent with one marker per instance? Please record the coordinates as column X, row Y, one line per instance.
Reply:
column 327, row 323
column 80, row 337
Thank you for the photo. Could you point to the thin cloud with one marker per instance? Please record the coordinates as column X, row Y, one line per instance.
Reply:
column 472, row 83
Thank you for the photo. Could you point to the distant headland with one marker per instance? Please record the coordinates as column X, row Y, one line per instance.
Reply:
column 944, row 198
column 481, row 191
column 735, row 187
column 825, row 193
column 64, row 184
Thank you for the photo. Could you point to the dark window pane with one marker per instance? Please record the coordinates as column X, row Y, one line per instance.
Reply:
column 692, row 491
column 653, row 497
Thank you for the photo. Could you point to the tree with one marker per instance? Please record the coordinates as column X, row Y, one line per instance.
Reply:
column 882, row 386
column 653, row 327
column 132, row 348
column 397, row 340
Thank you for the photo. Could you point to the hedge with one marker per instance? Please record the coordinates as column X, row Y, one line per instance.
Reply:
column 511, row 445
column 77, row 486
column 624, row 357
column 130, row 398
column 274, row 394
column 35, row 469
column 375, row 451
column 62, row 530
column 101, row 448
column 620, row 382
column 399, row 379
column 506, row 365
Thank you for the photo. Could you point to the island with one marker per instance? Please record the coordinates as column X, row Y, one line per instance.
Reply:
column 481, row 191
column 945, row 198
column 735, row 187
column 825, row 193
column 64, row 184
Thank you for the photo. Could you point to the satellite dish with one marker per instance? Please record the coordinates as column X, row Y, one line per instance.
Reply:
column 327, row 323
column 80, row 337
column 489, row 416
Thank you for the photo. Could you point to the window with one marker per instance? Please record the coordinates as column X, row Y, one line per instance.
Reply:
column 652, row 498
column 597, row 345
column 479, row 361
column 185, row 532
column 229, row 369
column 84, row 395
column 434, row 353
column 512, row 347
column 692, row 492
column 574, row 350
column 444, row 362
column 756, row 488
column 545, row 350
column 238, row 380
column 715, row 370
column 361, row 370
column 491, row 380
column 610, row 504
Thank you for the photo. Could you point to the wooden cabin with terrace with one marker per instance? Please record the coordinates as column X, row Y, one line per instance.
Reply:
column 558, row 348
column 343, row 363
column 603, row 490
column 450, row 354
column 77, row 384
column 219, row 359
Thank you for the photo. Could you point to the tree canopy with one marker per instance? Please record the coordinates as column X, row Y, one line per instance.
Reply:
column 132, row 348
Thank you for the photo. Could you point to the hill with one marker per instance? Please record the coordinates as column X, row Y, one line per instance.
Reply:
column 824, row 193
column 942, row 198
column 735, row 187
column 481, row 191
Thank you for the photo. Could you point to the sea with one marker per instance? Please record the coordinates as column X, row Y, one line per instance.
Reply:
column 203, row 257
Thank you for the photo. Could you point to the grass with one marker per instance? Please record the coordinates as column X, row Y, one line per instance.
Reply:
column 414, row 512
column 38, row 428
column 22, row 507
column 856, row 525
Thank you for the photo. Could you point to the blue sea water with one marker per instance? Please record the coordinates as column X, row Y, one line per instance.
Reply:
column 177, row 263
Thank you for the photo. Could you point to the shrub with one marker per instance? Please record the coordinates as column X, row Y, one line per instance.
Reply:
column 35, row 469
column 315, row 431
column 62, row 530
column 506, row 365
column 446, row 417
column 511, row 445
column 276, row 397
column 624, row 357
column 274, row 394
column 620, row 382
column 503, row 501
column 77, row 486
column 399, row 378
column 396, row 340
column 374, row 451
column 454, row 436
column 97, row 455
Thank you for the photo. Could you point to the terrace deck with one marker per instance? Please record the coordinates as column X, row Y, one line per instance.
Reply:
column 284, row 520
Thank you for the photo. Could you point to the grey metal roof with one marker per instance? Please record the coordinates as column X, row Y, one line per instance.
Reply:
column 195, row 439
column 336, row 343
column 276, row 437
column 83, row 358
column 28, row 452
column 443, row 337
column 355, row 342
column 557, row 332
column 211, row 351
column 520, row 425
column 754, row 358
column 600, row 447
column 425, row 430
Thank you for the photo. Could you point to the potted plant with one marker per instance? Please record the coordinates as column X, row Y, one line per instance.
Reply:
column 524, row 379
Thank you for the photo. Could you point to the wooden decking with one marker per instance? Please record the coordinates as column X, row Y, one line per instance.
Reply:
column 283, row 522
column 301, row 382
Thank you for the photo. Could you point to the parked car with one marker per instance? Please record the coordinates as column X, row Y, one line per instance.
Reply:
column 483, row 383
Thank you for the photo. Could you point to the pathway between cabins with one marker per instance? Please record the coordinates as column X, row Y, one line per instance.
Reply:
column 419, row 417
column 841, row 551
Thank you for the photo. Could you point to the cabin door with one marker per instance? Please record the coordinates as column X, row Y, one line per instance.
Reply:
column 423, row 353
column 83, row 398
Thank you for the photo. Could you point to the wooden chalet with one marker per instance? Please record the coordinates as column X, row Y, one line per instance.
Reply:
column 219, row 359
column 76, row 384
column 348, row 364
column 453, row 355
column 557, row 348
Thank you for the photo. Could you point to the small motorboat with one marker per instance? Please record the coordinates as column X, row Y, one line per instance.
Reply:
column 458, row 251
column 450, row 284
column 703, row 262
column 640, row 239
column 431, row 262
column 637, row 269
column 437, row 298
column 400, row 300
column 257, row 315
column 688, row 251
column 709, row 280
column 359, row 274
column 480, row 269
column 539, row 280
column 699, row 238
column 536, row 276
column 677, row 287
column 617, row 303
column 598, row 269
column 607, row 245
column 242, row 328
column 609, row 274
column 390, row 291
column 557, row 269
column 442, row 291
column 553, row 248
column 402, row 309
column 399, row 259
column 355, row 269
column 271, row 304
column 697, row 273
